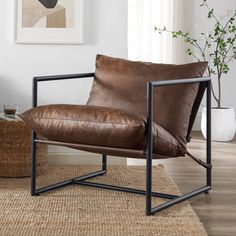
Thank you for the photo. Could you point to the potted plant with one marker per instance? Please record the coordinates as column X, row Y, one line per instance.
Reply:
column 218, row 47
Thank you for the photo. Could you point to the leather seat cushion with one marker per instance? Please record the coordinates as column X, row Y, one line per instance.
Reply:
column 101, row 126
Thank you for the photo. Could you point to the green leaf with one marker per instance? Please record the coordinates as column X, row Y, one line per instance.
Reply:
column 210, row 13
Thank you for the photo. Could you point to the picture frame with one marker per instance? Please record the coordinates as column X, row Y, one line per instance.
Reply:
column 34, row 23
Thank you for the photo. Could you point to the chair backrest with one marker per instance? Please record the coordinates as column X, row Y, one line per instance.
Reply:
column 122, row 84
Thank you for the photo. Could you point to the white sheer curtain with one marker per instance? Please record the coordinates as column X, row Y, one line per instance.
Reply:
column 143, row 42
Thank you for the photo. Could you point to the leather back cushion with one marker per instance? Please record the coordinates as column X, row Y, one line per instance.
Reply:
column 122, row 84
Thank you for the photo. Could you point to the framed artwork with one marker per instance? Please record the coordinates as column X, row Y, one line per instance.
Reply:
column 49, row 21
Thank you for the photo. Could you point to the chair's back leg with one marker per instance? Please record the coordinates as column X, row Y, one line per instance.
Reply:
column 104, row 162
column 208, row 128
column 33, row 166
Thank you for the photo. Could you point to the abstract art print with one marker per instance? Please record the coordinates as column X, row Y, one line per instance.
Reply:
column 49, row 21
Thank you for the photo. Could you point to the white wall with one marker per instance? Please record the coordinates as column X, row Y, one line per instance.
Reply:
column 198, row 22
column 105, row 32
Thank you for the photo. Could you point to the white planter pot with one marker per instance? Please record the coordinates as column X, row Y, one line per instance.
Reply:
column 223, row 124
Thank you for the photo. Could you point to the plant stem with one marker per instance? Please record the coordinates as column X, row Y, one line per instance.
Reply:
column 214, row 16
column 212, row 89
column 226, row 55
column 219, row 87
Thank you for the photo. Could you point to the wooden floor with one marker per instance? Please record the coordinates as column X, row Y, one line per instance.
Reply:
column 217, row 210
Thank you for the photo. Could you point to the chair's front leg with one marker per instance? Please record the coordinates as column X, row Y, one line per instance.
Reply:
column 204, row 189
column 75, row 180
column 149, row 150
column 149, row 183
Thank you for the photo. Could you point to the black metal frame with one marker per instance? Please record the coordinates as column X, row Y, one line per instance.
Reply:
column 81, row 180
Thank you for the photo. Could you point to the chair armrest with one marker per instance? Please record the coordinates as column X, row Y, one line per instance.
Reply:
column 152, row 84
column 62, row 77
column 54, row 78
column 178, row 81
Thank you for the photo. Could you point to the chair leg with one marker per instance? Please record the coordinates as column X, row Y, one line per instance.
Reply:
column 208, row 129
column 149, row 184
column 208, row 160
column 36, row 192
column 33, row 166
column 205, row 189
column 149, row 151
column 104, row 162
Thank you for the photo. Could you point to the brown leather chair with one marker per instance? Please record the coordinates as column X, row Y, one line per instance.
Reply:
column 135, row 109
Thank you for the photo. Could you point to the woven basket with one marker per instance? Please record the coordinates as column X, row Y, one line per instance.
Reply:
column 15, row 150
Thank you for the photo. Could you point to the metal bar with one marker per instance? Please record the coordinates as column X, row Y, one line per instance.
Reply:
column 35, row 93
column 89, row 176
column 179, row 199
column 63, row 77
column 69, row 181
column 104, row 162
column 33, row 142
column 124, row 189
column 208, row 129
column 179, row 81
column 149, row 149
column 54, row 186
column 33, row 165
